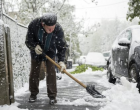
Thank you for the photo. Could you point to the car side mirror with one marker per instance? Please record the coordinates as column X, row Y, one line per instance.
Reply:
column 124, row 42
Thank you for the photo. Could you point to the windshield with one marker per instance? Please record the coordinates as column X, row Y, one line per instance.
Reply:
column 106, row 54
column 136, row 34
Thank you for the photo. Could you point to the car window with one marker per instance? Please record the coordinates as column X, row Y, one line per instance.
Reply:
column 128, row 35
column 106, row 54
column 122, row 35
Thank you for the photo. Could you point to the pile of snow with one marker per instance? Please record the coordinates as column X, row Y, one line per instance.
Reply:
column 122, row 97
column 11, row 107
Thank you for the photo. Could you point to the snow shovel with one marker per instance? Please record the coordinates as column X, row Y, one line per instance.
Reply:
column 90, row 88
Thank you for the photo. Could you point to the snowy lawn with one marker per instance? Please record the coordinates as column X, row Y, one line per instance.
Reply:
column 122, row 96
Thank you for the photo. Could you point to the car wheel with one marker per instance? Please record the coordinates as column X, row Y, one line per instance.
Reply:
column 110, row 77
column 133, row 73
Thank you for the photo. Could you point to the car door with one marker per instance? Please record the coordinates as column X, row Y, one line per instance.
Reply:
column 120, row 57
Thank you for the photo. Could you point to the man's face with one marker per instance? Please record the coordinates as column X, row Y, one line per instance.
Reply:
column 48, row 29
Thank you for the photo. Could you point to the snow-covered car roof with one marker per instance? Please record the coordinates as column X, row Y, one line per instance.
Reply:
column 135, row 33
column 131, row 27
column 95, row 58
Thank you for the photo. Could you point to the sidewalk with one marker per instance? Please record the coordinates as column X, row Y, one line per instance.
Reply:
column 71, row 96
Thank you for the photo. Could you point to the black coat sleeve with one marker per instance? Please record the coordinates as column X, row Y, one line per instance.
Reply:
column 61, row 44
column 30, row 37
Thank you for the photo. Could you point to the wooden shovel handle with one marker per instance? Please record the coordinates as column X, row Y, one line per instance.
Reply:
column 65, row 71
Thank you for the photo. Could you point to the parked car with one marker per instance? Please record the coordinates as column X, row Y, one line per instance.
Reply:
column 82, row 60
column 95, row 59
column 125, row 55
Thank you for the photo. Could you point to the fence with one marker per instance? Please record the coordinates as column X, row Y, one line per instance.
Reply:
column 6, row 73
column 20, row 53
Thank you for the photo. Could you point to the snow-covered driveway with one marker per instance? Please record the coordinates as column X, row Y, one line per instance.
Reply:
column 72, row 96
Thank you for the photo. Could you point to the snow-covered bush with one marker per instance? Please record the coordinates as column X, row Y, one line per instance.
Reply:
column 83, row 68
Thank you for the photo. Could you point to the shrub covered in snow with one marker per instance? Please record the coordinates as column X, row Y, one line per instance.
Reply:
column 83, row 68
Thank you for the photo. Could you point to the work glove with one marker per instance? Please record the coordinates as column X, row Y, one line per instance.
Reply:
column 62, row 65
column 38, row 50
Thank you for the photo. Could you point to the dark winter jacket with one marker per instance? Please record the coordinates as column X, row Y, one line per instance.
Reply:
column 36, row 35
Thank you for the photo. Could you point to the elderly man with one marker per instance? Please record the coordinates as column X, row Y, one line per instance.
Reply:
column 45, row 35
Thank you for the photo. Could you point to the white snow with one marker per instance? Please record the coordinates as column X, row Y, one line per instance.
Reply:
column 136, row 33
column 1, row 22
column 11, row 107
column 122, row 96
column 82, row 60
column 50, row 16
column 6, row 25
column 124, row 40
column 95, row 58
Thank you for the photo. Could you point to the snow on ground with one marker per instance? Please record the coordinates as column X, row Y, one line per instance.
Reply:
column 122, row 96
column 11, row 107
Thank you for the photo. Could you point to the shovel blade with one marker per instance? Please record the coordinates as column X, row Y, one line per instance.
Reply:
column 93, row 92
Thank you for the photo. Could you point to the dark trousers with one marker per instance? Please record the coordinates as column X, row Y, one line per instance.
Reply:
column 50, row 78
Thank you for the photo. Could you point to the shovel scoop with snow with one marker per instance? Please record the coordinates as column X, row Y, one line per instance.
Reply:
column 90, row 88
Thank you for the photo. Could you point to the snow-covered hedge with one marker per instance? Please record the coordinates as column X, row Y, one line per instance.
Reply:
column 20, row 53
